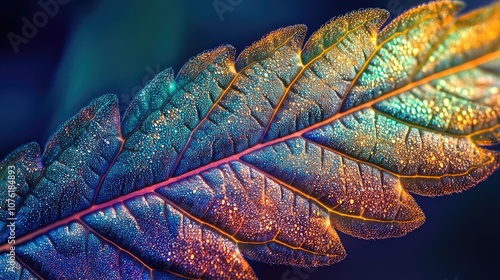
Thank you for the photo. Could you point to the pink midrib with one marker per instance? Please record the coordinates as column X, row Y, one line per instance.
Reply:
column 151, row 189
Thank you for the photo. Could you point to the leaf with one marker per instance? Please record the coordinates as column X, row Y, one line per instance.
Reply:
column 263, row 156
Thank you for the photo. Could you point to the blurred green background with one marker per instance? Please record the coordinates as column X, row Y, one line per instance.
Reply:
column 89, row 48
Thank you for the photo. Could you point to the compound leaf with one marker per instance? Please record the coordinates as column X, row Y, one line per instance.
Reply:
column 264, row 156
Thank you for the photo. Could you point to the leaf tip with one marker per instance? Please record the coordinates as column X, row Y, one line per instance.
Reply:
column 293, row 35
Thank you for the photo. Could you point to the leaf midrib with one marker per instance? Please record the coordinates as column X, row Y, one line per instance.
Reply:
column 151, row 189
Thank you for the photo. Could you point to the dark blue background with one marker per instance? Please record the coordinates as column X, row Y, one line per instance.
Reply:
column 90, row 48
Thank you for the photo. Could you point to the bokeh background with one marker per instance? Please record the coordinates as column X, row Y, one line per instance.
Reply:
column 89, row 48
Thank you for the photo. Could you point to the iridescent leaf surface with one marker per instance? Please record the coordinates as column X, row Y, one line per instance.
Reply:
column 263, row 156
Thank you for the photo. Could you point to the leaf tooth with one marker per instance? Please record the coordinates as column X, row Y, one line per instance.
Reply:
column 191, row 69
column 292, row 35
